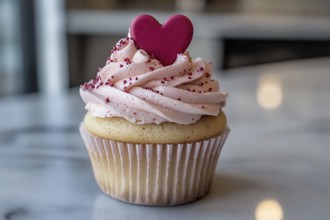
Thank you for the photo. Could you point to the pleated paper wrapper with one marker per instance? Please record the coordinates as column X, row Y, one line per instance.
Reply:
column 154, row 174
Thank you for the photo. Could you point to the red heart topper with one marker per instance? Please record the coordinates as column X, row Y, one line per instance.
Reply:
column 165, row 41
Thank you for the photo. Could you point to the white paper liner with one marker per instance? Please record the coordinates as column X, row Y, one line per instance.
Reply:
column 154, row 174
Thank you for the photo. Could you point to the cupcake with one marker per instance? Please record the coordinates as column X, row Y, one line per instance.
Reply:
column 154, row 126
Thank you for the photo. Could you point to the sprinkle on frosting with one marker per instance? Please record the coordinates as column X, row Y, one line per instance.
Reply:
column 136, row 86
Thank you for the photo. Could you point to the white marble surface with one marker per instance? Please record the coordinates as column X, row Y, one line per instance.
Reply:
column 279, row 155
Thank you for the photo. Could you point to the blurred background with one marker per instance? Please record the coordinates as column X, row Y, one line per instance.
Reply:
column 48, row 46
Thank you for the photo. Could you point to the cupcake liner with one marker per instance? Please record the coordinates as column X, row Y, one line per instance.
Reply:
column 154, row 174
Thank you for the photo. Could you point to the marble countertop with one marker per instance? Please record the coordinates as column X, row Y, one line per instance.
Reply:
column 275, row 164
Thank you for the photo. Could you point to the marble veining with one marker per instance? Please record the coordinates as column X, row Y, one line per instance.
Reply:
column 13, row 213
column 275, row 161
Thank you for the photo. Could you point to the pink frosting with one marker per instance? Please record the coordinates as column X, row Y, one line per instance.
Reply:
column 137, row 87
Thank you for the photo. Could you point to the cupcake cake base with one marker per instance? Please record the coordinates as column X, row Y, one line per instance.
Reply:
column 154, row 174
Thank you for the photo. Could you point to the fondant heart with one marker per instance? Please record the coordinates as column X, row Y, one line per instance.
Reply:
column 165, row 41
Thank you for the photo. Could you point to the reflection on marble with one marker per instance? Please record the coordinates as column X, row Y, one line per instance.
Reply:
column 275, row 163
column 269, row 91
column 269, row 210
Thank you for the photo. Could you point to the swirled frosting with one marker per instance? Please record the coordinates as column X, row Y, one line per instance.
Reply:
column 137, row 87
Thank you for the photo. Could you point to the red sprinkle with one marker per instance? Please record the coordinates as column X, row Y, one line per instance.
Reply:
column 152, row 68
column 125, row 81
column 92, row 84
column 121, row 65
column 127, row 60
column 136, row 78
column 84, row 86
column 210, row 89
column 107, row 100
column 114, row 48
column 207, row 75
column 201, row 84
